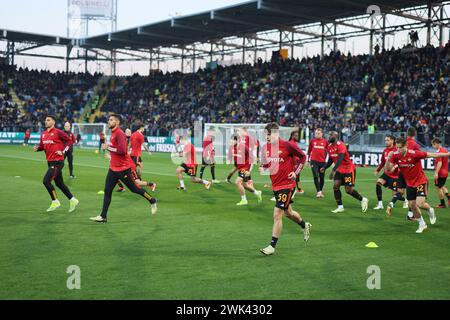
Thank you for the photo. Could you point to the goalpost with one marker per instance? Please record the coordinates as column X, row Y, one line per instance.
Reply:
column 225, row 131
column 89, row 133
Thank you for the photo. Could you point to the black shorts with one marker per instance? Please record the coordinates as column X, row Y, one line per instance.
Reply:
column 346, row 179
column 102, row 141
column 283, row 198
column 136, row 159
column 208, row 162
column 242, row 174
column 413, row 192
column 189, row 170
column 401, row 183
column 318, row 165
column 391, row 183
column 440, row 182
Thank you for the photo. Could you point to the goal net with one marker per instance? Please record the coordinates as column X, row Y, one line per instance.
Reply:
column 90, row 133
column 223, row 133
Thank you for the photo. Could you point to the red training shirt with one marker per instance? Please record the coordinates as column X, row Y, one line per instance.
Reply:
column 393, row 174
column 443, row 172
column 411, row 144
column 189, row 154
column 279, row 158
column 118, row 150
column 242, row 157
column 334, row 150
column 54, row 140
column 208, row 148
column 411, row 167
column 137, row 139
column 317, row 150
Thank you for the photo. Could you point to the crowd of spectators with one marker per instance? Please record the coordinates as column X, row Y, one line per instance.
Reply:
column 393, row 90
column 41, row 92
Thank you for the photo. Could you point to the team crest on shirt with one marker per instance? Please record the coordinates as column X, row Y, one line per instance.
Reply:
column 280, row 152
column 51, row 134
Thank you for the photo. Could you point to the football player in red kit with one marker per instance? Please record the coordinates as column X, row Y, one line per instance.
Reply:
column 411, row 144
column 278, row 156
column 189, row 166
column 69, row 153
column 317, row 155
column 388, row 179
column 242, row 160
column 137, row 141
column 410, row 166
column 440, row 173
column 208, row 155
column 55, row 143
column 343, row 172
column 295, row 138
column 119, row 169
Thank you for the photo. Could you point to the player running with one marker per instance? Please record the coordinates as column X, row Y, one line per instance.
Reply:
column 232, row 150
column 295, row 138
column 189, row 166
column 55, row 143
column 388, row 179
column 317, row 155
column 409, row 164
column 137, row 178
column 440, row 173
column 119, row 169
column 69, row 153
column 278, row 156
column 208, row 155
column 242, row 160
column 411, row 144
column 137, row 141
column 134, row 147
column 343, row 172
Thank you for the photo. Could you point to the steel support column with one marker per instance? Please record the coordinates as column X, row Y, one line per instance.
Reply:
column 10, row 51
column 328, row 37
column 377, row 28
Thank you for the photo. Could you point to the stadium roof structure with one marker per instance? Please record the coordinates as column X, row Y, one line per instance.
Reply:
column 30, row 41
column 247, row 29
column 247, row 18
column 38, row 39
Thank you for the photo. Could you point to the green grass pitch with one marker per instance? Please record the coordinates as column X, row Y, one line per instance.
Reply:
column 200, row 245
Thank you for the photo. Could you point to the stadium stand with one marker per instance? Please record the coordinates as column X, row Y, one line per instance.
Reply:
column 394, row 89
column 28, row 95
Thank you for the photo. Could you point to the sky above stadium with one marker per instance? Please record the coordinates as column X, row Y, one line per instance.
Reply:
column 50, row 16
